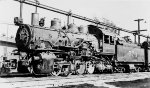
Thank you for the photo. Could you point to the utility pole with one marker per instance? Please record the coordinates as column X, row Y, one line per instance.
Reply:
column 135, row 37
column 138, row 31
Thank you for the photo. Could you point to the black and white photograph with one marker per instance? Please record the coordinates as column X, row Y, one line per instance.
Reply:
column 74, row 43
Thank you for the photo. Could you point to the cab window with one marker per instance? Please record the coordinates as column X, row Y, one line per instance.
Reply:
column 111, row 40
column 106, row 39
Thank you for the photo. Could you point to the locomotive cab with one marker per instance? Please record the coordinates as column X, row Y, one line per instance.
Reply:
column 106, row 40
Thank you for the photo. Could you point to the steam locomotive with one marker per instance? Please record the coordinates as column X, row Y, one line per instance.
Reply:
column 74, row 50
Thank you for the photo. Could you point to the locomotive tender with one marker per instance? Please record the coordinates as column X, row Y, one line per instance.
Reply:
column 75, row 50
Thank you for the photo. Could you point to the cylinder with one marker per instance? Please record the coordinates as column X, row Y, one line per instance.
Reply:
column 35, row 19
column 56, row 24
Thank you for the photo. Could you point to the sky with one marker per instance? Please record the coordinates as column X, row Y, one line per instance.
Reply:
column 121, row 12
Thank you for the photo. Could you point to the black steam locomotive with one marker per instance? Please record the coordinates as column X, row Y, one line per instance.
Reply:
column 72, row 50
column 75, row 50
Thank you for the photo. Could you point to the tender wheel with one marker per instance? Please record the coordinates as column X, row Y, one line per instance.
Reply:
column 80, row 67
column 56, row 70
column 90, row 67
column 138, row 69
column 111, row 71
column 121, row 69
column 148, row 69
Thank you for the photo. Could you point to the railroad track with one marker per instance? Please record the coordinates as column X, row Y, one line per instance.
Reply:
column 50, row 81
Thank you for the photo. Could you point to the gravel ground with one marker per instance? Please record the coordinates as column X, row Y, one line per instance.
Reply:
column 80, row 86
column 140, row 83
column 117, row 80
